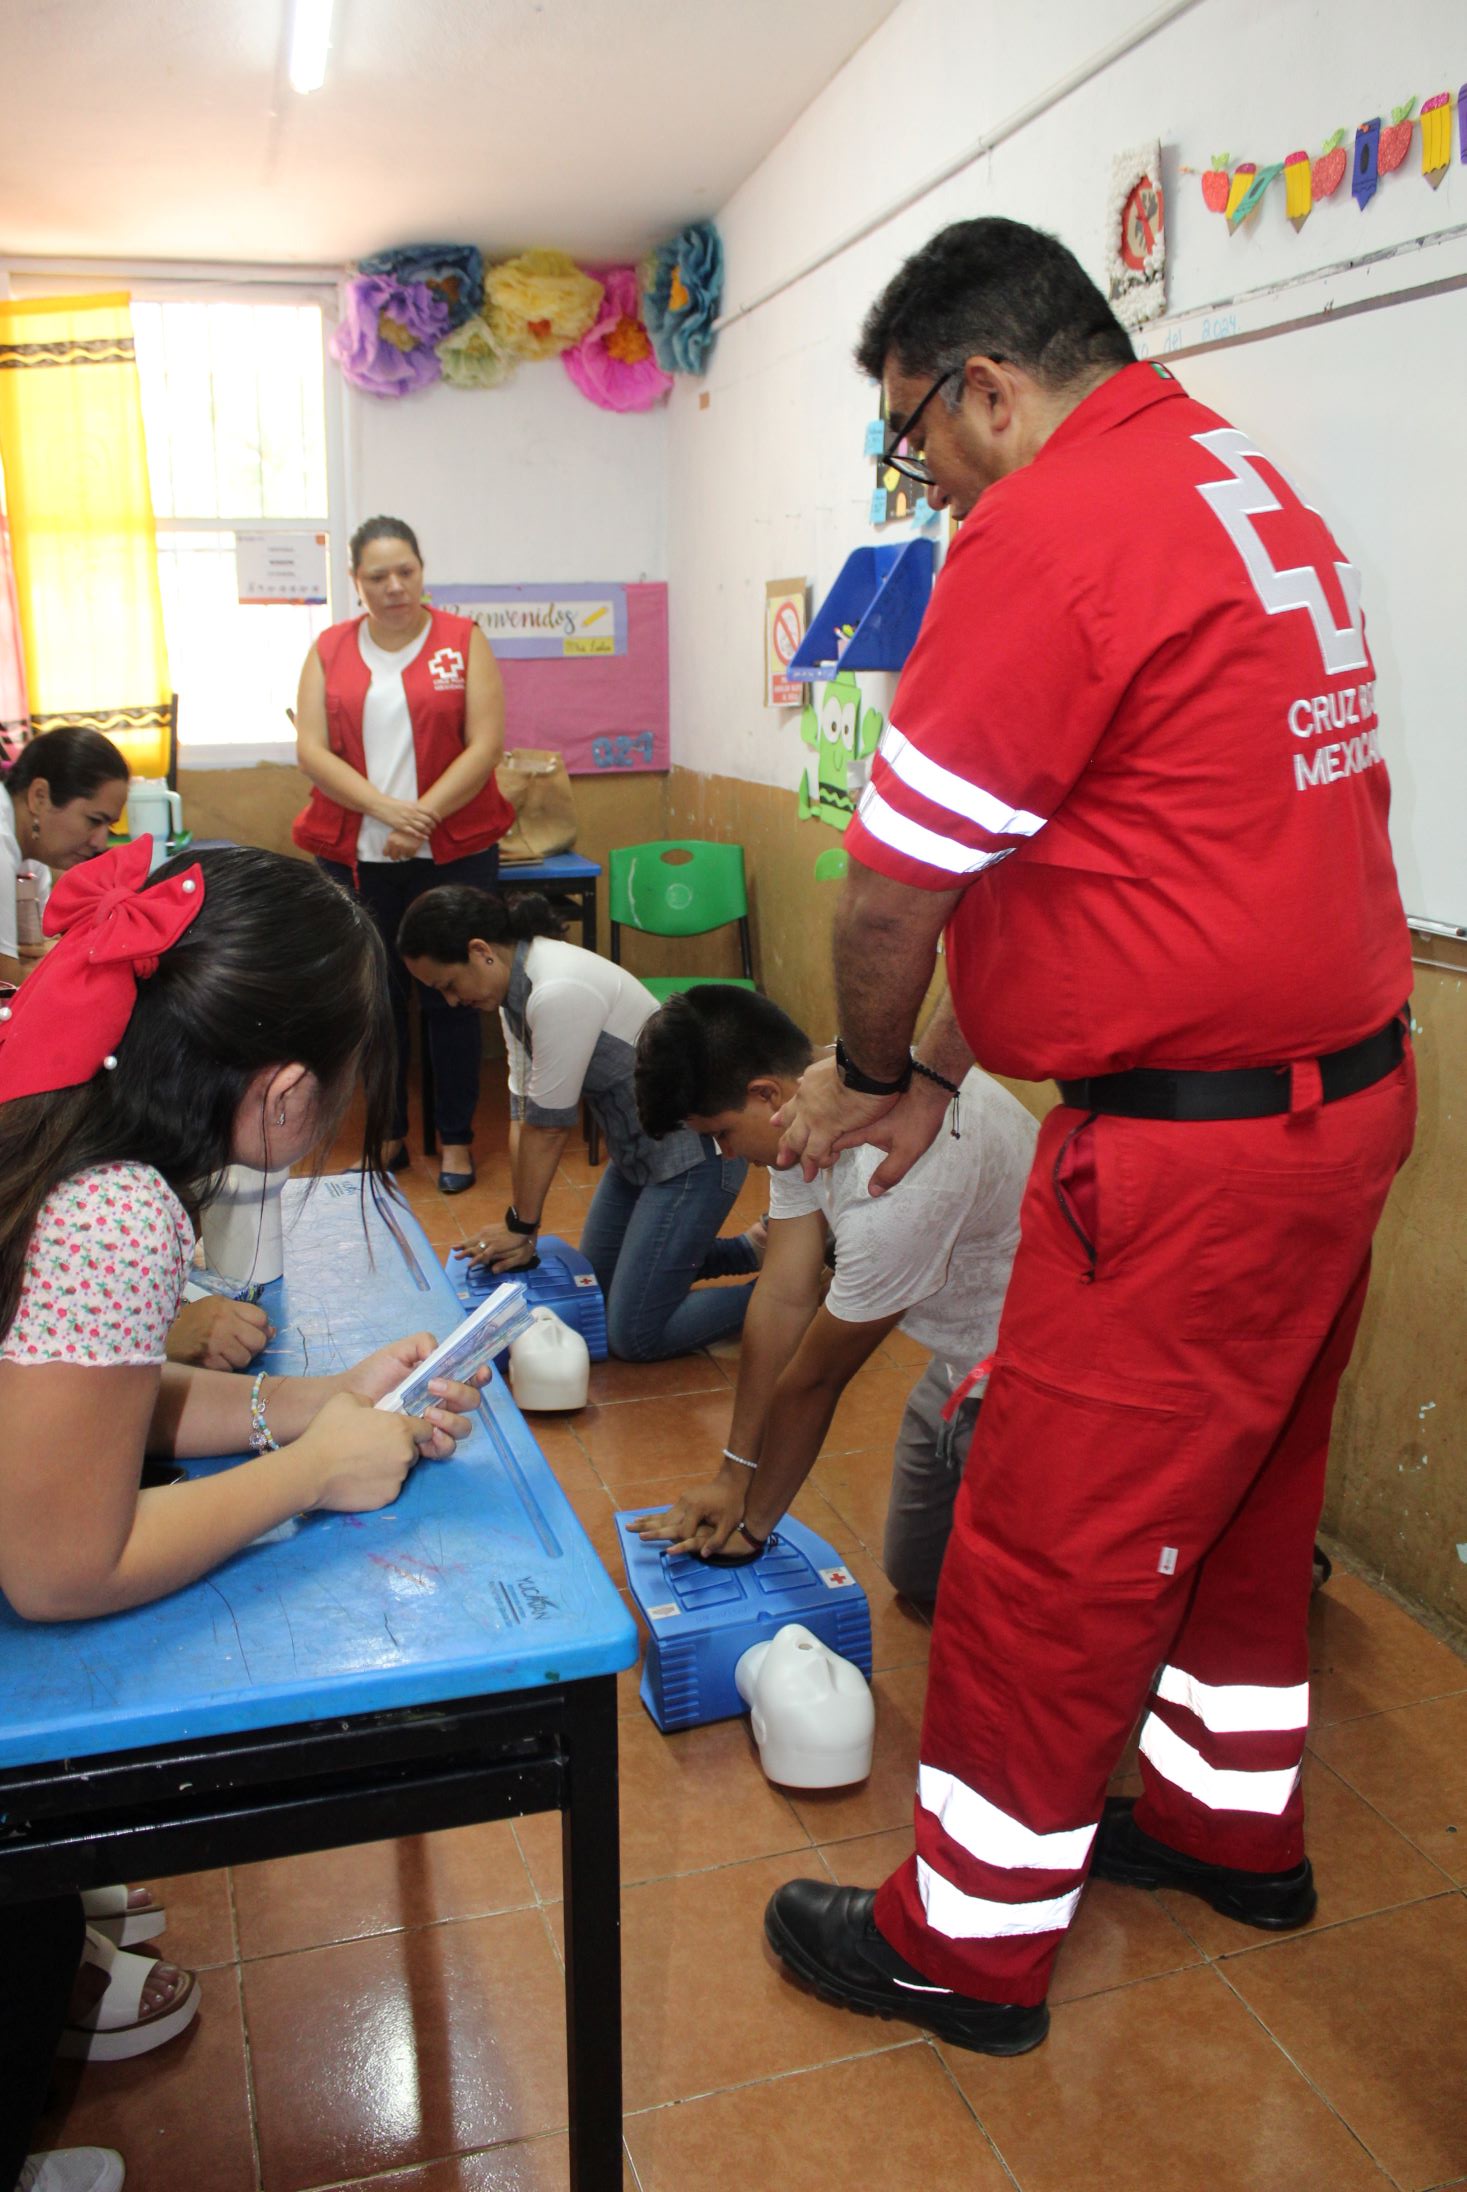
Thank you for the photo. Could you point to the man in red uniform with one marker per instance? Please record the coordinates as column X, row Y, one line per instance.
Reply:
column 1133, row 773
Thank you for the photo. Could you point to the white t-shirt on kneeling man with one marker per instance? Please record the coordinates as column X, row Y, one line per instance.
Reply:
column 939, row 1246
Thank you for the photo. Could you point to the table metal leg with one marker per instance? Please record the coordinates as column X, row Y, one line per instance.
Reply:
column 592, row 1868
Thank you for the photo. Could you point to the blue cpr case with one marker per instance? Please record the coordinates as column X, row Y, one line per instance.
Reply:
column 563, row 1281
column 701, row 1620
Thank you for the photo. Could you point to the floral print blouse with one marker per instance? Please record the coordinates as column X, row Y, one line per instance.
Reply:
column 105, row 1271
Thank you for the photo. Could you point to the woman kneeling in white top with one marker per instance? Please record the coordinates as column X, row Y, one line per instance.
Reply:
column 571, row 1021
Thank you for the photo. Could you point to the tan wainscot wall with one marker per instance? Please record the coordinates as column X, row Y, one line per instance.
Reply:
column 1397, row 1498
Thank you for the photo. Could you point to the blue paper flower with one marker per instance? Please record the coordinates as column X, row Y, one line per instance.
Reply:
column 682, row 289
column 454, row 272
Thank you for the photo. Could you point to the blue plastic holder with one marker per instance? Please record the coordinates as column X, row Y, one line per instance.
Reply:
column 870, row 618
column 563, row 1281
column 701, row 1620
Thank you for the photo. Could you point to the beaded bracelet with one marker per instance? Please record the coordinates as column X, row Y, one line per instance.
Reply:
column 930, row 1073
column 261, row 1440
column 730, row 1455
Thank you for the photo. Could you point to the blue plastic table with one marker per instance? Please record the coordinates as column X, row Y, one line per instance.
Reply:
column 349, row 1677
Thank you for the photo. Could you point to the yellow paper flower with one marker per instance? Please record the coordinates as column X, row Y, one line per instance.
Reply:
column 539, row 304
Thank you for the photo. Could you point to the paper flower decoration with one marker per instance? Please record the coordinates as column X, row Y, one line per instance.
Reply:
column 454, row 272
column 613, row 364
column 471, row 358
column 539, row 304
column 384, row 340
column 681, row 290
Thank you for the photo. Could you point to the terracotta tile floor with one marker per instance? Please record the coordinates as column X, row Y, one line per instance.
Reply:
column 392, row 2015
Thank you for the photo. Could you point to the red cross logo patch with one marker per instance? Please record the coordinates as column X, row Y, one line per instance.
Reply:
column 446, row 668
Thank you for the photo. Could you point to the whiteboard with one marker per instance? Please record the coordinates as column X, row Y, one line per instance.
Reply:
column 1368, row 416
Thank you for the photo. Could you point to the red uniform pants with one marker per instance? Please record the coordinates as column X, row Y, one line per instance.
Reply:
column 1137, row 1518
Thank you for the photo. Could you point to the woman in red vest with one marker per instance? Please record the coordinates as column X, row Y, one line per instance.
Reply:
column 400, row 726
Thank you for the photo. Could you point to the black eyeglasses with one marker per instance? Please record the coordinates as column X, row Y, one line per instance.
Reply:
column 915, row 466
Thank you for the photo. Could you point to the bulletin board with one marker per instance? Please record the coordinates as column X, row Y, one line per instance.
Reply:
column 606, row 713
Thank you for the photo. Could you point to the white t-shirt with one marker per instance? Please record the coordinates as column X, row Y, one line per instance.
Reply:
column 12, row 867
column 571, row 1022
column 387, row 736
column 940, row 1244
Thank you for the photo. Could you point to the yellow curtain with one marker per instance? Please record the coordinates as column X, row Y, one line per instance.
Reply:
column 81, row 523
column 15, row 719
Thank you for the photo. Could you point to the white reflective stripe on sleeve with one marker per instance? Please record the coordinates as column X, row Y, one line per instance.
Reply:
column 1219, row 1788
column 918, row 843
column 946, row 789
column 1237, row 1708
column 974, row 1918
column 991, row 1835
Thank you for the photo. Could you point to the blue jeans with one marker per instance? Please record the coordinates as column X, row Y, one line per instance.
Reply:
column 648, row 1245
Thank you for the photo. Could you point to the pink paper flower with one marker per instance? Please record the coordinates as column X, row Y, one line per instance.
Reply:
column 613, row 364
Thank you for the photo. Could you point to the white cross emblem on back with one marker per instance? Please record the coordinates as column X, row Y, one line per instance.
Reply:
column 1235, row 503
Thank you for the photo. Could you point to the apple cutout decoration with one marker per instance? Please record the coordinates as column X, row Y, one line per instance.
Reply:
column 1395, row 140
column 1328, row 171
column 1216, row 182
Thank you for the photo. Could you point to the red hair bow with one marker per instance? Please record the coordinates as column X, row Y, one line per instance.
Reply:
column 69, row 1016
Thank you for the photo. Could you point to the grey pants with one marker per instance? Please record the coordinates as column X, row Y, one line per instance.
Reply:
column 927, row 1468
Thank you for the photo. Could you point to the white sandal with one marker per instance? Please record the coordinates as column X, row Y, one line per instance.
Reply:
column 117, row 2027
column 109, row 1912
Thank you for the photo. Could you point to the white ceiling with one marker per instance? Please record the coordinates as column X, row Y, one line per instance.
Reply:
column 165, row 129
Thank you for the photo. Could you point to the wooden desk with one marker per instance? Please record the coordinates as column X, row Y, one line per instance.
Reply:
column 350, row 1677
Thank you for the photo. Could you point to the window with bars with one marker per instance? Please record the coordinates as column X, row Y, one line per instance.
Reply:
column 234, row 405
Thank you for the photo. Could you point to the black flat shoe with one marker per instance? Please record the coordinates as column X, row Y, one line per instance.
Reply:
column 454, row 1183
column 1273, row 1900
column 400, row 1161
column 829, row 1939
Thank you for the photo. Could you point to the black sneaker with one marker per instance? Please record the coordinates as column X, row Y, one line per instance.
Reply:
column 1273, row 1900
column 828, row 1938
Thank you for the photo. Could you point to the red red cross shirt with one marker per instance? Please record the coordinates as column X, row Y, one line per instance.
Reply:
column 1138, row 727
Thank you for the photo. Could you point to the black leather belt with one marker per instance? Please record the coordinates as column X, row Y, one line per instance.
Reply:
column 1240, row 1092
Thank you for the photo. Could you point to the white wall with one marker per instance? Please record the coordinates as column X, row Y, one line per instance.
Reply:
column 768, row 480
column 525, row 482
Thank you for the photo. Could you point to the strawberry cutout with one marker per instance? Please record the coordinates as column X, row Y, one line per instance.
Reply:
column 1395, row 139
column 1216, row 182
column 1328, row 171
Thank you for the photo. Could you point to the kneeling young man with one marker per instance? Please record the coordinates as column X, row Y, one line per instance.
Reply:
column 932, row 1256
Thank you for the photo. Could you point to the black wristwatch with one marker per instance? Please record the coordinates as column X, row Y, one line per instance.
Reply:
column 524, row 1226
column 866, row 1084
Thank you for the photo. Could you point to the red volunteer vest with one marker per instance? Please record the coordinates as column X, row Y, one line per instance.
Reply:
column 433, row 686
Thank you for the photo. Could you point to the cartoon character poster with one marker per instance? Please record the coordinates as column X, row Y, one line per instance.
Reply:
column 842, row 731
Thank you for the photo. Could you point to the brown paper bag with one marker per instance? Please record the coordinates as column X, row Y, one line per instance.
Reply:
column 537, row 785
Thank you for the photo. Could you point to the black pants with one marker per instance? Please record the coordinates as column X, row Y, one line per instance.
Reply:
column 454, row 1036
column 40, row 1949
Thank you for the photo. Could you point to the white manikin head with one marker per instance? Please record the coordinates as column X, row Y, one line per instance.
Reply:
column 811, row 1711
column 549, row 1365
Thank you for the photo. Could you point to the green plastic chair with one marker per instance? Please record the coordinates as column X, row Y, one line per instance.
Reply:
column 680, row 886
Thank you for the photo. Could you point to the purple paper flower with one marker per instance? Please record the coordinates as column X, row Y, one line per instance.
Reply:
column 613, row 364
column 384, row 339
